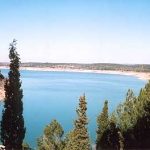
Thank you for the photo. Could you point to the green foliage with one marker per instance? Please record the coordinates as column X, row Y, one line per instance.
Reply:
column 102, row 122
column 25, row 146
column 78, row 138
column 70, row 141
column 52, row 137
column 127, row 112
column 133, row 118
column 108, row 133
column 12, row 124
column 141, row 129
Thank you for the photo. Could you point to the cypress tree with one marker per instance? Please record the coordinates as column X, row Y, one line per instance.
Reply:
column 12, row 124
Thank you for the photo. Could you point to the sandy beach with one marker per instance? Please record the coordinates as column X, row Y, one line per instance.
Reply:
column 140, row 75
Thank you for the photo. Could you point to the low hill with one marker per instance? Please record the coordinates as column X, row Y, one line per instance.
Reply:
column 95, row 66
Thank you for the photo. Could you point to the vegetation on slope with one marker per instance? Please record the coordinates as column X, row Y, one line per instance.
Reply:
column 96, row 66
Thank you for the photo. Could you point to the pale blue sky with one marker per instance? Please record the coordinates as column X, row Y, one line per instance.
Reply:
column 81, row 31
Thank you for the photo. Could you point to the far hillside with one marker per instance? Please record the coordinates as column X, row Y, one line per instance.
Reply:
column 95, row 66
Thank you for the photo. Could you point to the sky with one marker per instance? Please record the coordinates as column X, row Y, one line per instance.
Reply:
column 76, row 31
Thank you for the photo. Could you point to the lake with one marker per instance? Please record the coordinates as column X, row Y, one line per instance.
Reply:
column 55, row 95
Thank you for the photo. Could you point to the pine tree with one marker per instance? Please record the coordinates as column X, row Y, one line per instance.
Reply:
column 134, row 120
column 79, row 138
column 102, row 122
column 113, row 136
column 127, row 112
column 52, row 138
column 142, row 127
column 109, row 137
column 12, row 124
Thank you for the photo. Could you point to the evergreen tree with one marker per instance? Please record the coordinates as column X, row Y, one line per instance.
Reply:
column 134, row 119
column 142, row 127
column 127, row 112
column 70, row 141
column 26, row 146
column 52, row 138
column 110, row 137
column 113, row 136
column 12, row 124
column 142, row 130
column 102, row 122
column 79, row 138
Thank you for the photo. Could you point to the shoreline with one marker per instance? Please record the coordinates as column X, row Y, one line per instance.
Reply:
column 139, row 75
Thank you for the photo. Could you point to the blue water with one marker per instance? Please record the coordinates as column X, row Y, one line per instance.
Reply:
column 54, row 95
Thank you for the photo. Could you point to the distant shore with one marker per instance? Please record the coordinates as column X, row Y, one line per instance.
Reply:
column 139, row 75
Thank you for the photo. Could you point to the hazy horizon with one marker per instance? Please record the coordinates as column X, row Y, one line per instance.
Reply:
column 78, row 31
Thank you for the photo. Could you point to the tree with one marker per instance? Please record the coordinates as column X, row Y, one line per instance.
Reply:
column 78, row 139
column 70, row 141
column 12, row 124
column 26, row 146
column 52, row 138
column 110, row 136
column 142, row 127
column 102, row 122
column 127, row 112
column 113, row 136
column 134, row 120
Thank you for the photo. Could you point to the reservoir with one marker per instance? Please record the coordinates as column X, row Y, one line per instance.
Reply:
column 55, row 95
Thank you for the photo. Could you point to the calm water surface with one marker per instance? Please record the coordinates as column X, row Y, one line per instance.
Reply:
column 55, row 95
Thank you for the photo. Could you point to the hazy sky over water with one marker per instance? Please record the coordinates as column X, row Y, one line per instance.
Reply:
column 81, row 31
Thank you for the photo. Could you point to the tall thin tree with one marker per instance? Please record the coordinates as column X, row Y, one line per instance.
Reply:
column 81, row 131
column 12, row 124
column 78, row 138
column 102, row 123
